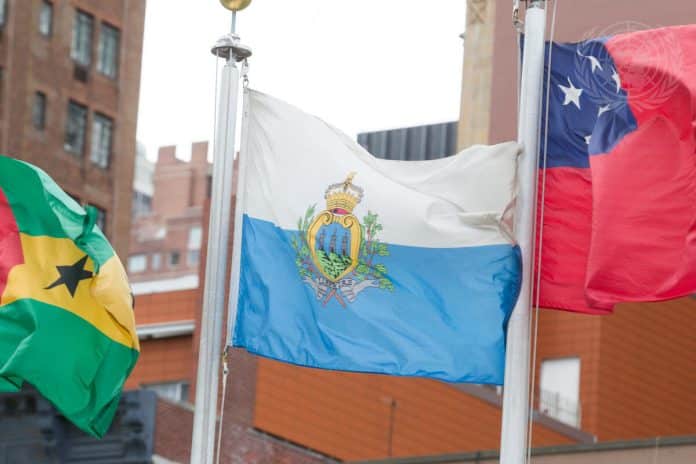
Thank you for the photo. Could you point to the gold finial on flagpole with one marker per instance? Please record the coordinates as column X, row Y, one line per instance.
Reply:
column 235, row 5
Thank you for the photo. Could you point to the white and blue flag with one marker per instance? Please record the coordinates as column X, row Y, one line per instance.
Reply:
column 353, row 263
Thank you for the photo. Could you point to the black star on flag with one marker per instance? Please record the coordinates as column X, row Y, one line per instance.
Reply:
column 70, row 276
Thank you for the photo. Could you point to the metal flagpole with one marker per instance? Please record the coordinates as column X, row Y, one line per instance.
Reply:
column 513, row 442
column 205, row 415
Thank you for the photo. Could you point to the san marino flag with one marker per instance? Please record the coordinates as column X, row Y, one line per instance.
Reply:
column 353, row 263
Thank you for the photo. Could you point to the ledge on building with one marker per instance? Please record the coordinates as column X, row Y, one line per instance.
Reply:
column 165, row 329
column 187, row 282
column 649, row 444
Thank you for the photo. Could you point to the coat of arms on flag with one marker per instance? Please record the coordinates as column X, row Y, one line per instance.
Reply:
column 336, row 252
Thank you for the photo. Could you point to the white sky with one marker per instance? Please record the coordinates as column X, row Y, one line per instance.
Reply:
column 361, row 65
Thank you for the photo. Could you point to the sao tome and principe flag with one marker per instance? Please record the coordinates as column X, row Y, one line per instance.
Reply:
column 66, row 316
column 353, row 263
column 620, row 199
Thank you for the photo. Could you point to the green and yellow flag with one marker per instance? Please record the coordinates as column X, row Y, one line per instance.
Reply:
column 66, row 310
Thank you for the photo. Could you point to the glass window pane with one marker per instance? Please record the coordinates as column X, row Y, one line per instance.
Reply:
column 194, row 240
column 560, row 389
column 174, row 258
column 3, row 11
column 82, row 39
column 38, row 115
column 46, row 18
column 107, row 63
column 156, row 261
column 75, row 128
column 137, row 263
column 175, row 391
column 102, row 132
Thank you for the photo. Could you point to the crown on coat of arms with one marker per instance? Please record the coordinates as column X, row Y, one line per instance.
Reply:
column 343, row 196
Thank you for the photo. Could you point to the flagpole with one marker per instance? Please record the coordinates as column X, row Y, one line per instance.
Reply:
column 209, row 356
column 514, row 436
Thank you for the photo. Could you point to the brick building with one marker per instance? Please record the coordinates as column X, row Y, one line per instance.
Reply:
column 163, row 267
column 167, row 315
column 166, row 240
column 69, row 87
column 634, row 371
column 628, row 376
column 609, row 384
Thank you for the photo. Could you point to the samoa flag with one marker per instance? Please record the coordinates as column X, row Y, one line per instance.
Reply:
column 619, row 216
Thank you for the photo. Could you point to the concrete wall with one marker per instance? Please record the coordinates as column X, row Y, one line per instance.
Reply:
column 677, row 450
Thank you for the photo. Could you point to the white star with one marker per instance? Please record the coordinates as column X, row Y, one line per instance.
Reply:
column 617, row 79
column 594, row 62
column 572, row 94
column 588, row 138
column 602, row 110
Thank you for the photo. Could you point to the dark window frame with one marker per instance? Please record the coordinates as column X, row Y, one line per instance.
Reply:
column 174, row 258
column 78, row 53
column 76, row 148
column 3, row 12
column 109, row 32
column 38, row 110
column 103, row 121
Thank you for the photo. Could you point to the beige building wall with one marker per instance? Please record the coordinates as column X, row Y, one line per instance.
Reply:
column 477, row 72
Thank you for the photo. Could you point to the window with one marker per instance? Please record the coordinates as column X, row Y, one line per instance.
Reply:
column 156, row 261
column 107, row 62
column 174, row 258
column 194, row 246
column 38, row 112
column 46, row 19
column 75, row 128
column 194, row 240
column 81, row 51
column 142, row 204
column 137, row 263
column 102, row 130
column 175, row 391
column 560, row 390
column 3, row 12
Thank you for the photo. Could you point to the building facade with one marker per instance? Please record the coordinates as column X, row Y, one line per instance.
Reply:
column 69, row 88
column 606, row 387
column 418, row 143
column 166, row 239
column 624, row 377
column 163, row 267
column 604, row 375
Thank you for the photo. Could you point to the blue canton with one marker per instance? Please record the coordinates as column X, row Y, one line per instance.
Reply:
column 588, row 109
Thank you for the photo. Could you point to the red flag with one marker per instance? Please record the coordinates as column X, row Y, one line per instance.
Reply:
column 620, row 200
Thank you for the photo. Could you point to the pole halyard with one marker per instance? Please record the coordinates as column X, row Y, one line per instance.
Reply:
column 513, row 443
column 207, row 378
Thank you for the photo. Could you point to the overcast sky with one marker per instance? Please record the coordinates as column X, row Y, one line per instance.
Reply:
column 361, row 65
